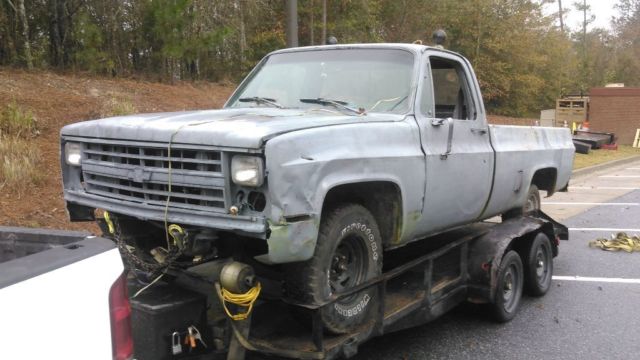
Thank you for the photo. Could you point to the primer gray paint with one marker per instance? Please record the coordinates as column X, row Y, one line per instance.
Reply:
column 307, row 153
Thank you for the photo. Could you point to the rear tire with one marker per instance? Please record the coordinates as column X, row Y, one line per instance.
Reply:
column 538, row 266
column 531, row 205
column 508, row 287
column 348, row 252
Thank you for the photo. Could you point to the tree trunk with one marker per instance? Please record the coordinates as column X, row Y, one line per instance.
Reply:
column 311, row 25
column 25, row 34
column 55, row 42
column 243, row 34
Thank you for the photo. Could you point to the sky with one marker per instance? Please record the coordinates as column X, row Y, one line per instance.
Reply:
column 602, row 9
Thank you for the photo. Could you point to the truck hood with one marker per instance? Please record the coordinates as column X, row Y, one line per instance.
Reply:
column 246, row 128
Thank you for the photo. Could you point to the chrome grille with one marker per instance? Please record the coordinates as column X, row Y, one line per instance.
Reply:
column 140, row 174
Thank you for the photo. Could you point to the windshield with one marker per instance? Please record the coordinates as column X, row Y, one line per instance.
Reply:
column 368, row 80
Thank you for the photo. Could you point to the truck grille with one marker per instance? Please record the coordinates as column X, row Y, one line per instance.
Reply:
column 140, row 174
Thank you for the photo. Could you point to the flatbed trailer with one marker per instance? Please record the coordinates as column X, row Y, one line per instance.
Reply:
column 419, row 283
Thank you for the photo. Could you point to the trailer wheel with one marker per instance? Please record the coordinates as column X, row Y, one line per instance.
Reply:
column 531, row 205
column 348, row 252
column 508, row 287
column 538, row 266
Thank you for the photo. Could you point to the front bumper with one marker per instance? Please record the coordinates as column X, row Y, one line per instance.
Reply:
column 248, row 225
column 287, row 241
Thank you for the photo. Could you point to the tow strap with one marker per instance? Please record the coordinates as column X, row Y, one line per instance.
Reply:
column 621, row 241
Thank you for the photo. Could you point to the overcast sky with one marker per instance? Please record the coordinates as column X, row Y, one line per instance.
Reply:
column 602, row 9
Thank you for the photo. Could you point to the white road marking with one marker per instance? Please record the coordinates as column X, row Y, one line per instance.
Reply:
column 632, row 169
column 597, row 279
column 620, row 176
column 602, row 188
column 612, row 230
column 590, row 203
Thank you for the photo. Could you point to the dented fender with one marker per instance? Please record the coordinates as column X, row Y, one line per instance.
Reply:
column 291, row 241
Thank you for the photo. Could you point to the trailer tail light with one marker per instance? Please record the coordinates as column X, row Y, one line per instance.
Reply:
column 120, row 310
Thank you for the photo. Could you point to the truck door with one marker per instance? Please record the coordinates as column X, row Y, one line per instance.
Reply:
column 455, row 140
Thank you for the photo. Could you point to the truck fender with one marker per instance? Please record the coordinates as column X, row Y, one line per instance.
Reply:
column 486, row 252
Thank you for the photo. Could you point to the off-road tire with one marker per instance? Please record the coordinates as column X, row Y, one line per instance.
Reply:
column 348, row 232
column 509, row 280
column 531, row 204
column 538, row 266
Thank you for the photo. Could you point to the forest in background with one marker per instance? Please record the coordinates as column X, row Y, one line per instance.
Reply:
column 522, row 56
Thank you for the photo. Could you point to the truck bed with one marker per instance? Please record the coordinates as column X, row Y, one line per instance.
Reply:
column 54, row 294
column 521, row 151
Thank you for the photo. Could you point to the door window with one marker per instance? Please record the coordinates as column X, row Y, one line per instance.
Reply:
column 451, row 92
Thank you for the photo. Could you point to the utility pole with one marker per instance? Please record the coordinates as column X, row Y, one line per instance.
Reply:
column 584, row 43
column 560, row 16
column 292, row 23
column 324, row 22
column 312, row 25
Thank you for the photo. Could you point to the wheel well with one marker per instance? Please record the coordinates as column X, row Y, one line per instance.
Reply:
column 381, row 198
column 545, row 179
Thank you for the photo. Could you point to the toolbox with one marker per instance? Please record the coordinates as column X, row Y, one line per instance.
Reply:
column 161, row 312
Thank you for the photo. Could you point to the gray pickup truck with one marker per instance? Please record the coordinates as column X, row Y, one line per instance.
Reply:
column 322, row 159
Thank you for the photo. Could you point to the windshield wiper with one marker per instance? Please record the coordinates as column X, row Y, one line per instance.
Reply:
column 335, row 103
column 261, row 100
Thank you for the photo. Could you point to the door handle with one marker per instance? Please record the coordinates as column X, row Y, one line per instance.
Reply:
column 480, row 131
column 439, row 122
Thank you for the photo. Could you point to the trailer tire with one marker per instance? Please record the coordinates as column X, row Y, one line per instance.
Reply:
column 538, row 266
column 348, row 252
column 531, row 205
column 508, row 293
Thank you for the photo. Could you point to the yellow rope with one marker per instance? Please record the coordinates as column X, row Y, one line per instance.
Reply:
column 172, row 230
column 621, row 241
column 245, row 300
column 107, row 219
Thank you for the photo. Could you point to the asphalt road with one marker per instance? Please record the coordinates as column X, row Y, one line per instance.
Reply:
column 577, row 319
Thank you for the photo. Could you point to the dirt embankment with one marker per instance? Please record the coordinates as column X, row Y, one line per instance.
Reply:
column 57, row 100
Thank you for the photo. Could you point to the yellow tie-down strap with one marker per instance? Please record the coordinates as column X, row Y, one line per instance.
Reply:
column 621, row 241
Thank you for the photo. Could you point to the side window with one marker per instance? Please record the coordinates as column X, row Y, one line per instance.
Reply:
column 451, row 91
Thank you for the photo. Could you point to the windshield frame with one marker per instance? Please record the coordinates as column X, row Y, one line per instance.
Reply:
column 414, row 71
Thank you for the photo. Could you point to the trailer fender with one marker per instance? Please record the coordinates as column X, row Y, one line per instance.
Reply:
column 486, row 252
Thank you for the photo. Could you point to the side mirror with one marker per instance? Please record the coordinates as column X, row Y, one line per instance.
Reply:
column 440, row 122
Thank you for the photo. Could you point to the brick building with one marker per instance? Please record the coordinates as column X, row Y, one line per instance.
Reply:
column 617, row 110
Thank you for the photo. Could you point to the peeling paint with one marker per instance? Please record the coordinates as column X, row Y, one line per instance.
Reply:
column 290, row 241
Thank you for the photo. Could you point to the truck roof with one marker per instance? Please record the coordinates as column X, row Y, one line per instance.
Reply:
column 414, row 48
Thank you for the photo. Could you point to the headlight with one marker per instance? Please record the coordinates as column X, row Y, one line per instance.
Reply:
column 247, row 170
column 72, row 153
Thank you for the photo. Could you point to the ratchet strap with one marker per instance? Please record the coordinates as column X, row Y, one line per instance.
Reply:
column 621, row 241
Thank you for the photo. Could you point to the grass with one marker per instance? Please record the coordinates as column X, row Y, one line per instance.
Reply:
column 16, row 122
column 19, row 158
column 596, row 157
column 118, row 107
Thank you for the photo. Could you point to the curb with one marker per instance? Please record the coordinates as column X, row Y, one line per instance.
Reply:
column 603, row 166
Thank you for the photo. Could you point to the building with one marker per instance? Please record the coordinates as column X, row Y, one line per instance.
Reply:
column 616, row 110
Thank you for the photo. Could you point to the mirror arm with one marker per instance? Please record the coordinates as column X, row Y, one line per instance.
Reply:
column 445, row 155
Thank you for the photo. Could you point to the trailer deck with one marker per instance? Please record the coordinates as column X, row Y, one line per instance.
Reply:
column 420, row 282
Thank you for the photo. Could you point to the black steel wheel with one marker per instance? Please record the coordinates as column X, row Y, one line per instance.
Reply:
column 538, row 266
column 508, row 287
column 348, row 253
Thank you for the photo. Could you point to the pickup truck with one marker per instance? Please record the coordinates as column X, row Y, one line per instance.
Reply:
column 62, row 296
column 323, row 159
